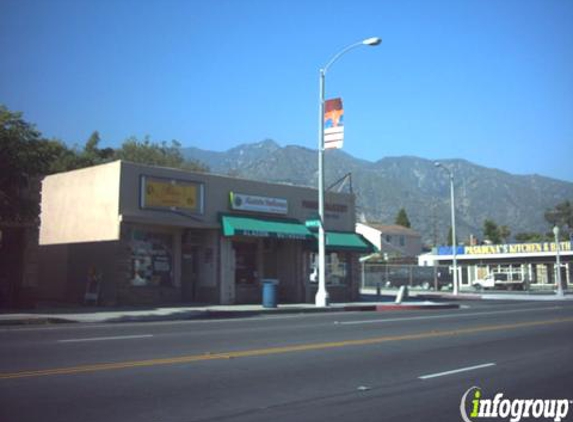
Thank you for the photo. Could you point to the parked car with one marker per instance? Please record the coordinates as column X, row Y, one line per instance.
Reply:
column 500, row 281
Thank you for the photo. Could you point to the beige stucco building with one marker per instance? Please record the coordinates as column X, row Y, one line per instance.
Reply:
column 392, row 239
column 150, row 235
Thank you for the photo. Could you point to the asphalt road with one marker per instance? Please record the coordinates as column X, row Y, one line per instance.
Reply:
column 361, row 366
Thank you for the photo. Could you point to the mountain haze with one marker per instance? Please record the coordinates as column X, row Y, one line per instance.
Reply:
column 384, row 186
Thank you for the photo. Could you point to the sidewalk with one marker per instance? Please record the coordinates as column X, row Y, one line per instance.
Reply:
column 417, row 300
column 475, row 295
column 175, row 313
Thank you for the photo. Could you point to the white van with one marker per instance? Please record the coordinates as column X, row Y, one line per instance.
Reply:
column 500, row 281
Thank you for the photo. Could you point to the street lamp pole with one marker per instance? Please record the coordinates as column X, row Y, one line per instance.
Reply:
column 322, row 298
column 453, row 215
column 558, row 262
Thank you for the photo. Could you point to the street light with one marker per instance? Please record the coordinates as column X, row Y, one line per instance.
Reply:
column 454, row 242
column 321, row 298
column 558, row 259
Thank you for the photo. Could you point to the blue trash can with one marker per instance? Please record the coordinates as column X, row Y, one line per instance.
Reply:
column 270, row 293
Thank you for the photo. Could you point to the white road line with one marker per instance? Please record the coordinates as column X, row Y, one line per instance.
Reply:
column 456, row 371
column 485, row 313
column 78, row 340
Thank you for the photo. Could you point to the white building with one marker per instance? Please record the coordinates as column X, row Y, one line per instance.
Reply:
column 393, row 240
column 535, row 263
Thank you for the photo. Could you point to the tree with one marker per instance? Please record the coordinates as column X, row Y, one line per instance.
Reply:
column 491, row 231
column 91, row 147
column 402, row 218
column 526, row 237
column 504, row 233
column 450, row 237
column 156, row 154
column 73, row 158
column 561, row 215
column 63, row 157
column 92, row 154
column 25, row 154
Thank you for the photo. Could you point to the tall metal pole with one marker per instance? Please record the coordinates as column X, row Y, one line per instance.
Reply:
column 558, row 262
column 322, row 298
column 453, row 215
column 454, row 241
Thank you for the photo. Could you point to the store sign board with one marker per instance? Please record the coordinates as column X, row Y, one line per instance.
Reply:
column 511, row 248
column 262, row 204
column 171, row 194
column 330, row 207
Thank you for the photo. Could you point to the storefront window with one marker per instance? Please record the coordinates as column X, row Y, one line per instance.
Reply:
column 245, row 263
column 151, row 258
column 337, row 268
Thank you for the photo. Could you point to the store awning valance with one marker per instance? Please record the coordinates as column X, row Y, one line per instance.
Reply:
column 251, row 226
column 348, row 241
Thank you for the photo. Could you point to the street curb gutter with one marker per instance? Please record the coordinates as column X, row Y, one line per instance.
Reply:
column 35, row 321
column 45, row 320
column 403, row 307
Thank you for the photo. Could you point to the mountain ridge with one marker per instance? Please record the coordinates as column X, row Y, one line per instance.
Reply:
column 384, row 186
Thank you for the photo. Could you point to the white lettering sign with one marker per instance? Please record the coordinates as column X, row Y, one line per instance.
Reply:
column 242, row 202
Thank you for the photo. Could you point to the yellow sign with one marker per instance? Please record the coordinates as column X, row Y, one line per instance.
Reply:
column 174, row 194
column 517, row 248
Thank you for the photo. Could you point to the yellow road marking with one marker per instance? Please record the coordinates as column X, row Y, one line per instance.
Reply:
column 272, row 350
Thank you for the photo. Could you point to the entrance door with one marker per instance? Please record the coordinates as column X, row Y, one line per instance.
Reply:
column 189, row 269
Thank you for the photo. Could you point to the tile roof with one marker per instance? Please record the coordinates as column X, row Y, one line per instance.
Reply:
column 393, row 229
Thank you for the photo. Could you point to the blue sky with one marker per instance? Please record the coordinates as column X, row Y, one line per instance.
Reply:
column 483, row 80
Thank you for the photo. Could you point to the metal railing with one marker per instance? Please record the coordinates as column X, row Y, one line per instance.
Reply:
column 440, row 278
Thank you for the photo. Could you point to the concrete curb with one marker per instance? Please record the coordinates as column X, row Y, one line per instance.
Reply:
column 183, row 314
column 27, row 321
column 450, row 296
column 404, row 307
column 495, row 296
column 426, row 307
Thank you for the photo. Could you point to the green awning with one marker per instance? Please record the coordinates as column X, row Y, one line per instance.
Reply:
column 348, row 241
column 257, row 227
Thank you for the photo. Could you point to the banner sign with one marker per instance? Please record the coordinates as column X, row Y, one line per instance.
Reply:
column 243, row 202
column 333, row 124
column 171, row 194
column 511, row 248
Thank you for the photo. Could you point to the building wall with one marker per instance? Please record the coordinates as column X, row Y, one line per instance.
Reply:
column 65, row 269
column 340, row 212
column 94, row 218
column 208, row 255
column 392, row 239
column 227, row 275
column 413, row 245
column 528, row 262
column 373, row 235
column 53, row 272
column 81, row 205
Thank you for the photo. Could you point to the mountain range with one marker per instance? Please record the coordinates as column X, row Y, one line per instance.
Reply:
column 383, row 187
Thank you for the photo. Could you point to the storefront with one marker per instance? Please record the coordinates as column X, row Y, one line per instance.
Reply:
column 535, row 264
column 158, row 235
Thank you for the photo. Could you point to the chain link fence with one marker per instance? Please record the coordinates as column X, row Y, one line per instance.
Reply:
column 391, row 276
column 537, row 277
